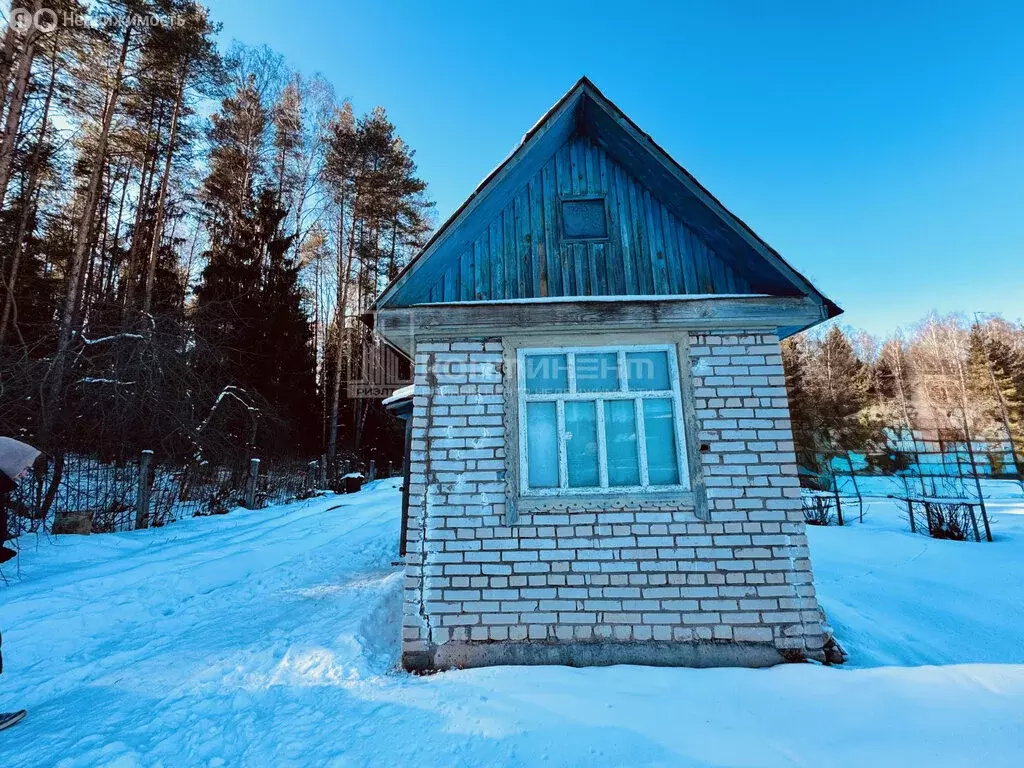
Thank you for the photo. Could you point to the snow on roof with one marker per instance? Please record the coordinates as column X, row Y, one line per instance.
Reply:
column 400, row 394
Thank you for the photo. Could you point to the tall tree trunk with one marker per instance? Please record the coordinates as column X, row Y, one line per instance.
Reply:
column 394, row 251
column 21, row 82
column 344, row 279
column 19, row 245
column 112, row 239
column 158, row 225
column 112, row 264
column 94, row 264
column 282, row 159
column 30, row 193
column 339, row 322
column 145, row 190
column 66, row 330
column 8, row 54
column 189, row 265
column 297, row 245
column 317, row 330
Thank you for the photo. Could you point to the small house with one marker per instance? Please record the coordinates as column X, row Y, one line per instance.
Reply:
column 601, row 464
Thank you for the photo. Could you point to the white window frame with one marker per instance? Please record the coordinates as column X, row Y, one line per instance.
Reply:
column 673, row 394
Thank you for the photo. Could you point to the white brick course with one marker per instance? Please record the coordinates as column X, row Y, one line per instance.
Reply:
column 617, row 575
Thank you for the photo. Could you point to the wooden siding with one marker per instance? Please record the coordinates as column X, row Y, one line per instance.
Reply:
column 649, row 251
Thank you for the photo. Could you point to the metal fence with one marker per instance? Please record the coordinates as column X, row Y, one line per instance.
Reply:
column 194, row 490
column 79, row 494
column 86, row 494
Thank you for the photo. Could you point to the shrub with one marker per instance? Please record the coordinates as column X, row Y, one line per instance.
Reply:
column 819, row 510
column 950, row 521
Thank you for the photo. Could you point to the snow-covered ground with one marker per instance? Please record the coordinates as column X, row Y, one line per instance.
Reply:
column 269, row 638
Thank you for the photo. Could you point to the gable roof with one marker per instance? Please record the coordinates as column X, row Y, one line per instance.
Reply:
column 585, row 111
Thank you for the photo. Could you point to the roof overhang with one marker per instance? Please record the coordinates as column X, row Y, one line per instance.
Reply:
column 403, row 326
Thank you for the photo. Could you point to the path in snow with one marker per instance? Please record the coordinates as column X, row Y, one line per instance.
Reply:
column 269, row 638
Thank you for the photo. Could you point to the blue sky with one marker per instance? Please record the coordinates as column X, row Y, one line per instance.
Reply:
column 878, row 146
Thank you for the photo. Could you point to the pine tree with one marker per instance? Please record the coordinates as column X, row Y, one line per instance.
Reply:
column 114, row 207
column 237, row 137
column 251, row 319
column 288, row 380
column 801, row 410
column 381, row 215
column 830, row 389
column 840, row 388
column 287, row 119
column 185, row 51
column 994, row 374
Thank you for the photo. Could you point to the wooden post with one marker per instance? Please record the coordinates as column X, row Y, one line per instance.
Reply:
column 323, row 470
column 142, row 494
column 856, row 487
column 984, row 518
column 309, row 478
column 974, row 523
column 373, row 471
column 250, row 486
column 928, row 517
column 910, row 510
column 981, row 497
column 977, row 478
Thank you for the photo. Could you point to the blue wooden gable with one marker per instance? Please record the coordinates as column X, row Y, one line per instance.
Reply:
column 588, row 205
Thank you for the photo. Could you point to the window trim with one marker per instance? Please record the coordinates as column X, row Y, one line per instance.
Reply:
column 674, row 394
column 581, row 199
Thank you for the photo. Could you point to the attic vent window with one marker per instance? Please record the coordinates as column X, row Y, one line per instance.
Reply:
column 584, row 219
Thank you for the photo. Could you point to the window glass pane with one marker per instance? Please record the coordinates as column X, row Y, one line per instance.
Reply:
column 546, row 373
column 541, row 445
column 662, row 467
column 584, row 218
column 620, row 442
column 597, row 373
column 581, row 444
column 647, row 370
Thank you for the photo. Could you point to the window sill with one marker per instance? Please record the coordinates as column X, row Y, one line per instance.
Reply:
column 607, row 502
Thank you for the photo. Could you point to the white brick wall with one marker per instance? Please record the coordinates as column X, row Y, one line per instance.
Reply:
column 622, row 575
column 753, row 492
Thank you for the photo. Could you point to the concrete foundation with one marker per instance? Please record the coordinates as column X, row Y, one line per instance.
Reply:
column 462, row 655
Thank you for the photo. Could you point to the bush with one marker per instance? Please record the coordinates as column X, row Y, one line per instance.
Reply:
column 949, row 521
column 221, row 502
column 819, row 510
